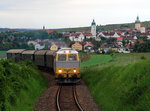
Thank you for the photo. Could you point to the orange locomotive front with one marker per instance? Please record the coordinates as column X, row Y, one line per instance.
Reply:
column 67, row 66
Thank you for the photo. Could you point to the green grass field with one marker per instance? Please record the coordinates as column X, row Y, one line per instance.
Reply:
column 121, row 84
column 2, row 54
column 96, row 60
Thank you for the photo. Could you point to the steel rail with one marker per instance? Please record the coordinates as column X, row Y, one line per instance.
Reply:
column 57, row 98
column 74, row 96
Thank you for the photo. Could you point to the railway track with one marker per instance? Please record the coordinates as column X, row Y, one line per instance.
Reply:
column 67, row 99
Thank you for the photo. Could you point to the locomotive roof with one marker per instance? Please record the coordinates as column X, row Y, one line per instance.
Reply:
column 29, row 52
column 71, row 51
column 15, row 50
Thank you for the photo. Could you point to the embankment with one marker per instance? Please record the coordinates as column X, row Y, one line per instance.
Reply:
column 20, row 85
column 120, row 88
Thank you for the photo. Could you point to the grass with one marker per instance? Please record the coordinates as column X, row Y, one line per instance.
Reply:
column 96, row 60
column 20, row 85
column 121, row 84
column 2, row 54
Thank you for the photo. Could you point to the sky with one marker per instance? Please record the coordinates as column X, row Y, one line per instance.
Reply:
column 70, row 13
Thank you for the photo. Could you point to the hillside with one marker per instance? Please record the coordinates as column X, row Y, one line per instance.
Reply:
column 105, row 27
column 99, row 27
column 123, row 86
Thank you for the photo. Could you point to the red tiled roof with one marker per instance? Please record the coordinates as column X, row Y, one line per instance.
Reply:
column 119, row 38
column 141, row 41
column 77, row 43
column 88, row 43
column 87, row 34
column 102, row 46
column 142, row 25
column 75, row 34
column 50, row 31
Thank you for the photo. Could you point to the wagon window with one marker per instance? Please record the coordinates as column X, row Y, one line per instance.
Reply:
column 72, row 57
column 62, row 57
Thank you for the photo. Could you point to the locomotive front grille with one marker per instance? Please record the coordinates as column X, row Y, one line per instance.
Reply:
column 67, row 64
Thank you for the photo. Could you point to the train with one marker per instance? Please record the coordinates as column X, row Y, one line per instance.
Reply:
column 65, row 63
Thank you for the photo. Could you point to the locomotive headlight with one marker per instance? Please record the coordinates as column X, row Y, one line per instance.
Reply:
column 60, row 71
column 67, row 51
column 74, row 71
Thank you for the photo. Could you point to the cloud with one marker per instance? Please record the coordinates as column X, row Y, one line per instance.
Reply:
column 70, row 13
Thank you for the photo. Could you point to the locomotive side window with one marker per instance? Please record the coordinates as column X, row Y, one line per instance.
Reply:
column 72, row 57
column 62, row 57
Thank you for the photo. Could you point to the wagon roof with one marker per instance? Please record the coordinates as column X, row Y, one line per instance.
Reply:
column 29, row 52
column 40, row 52
column 15, row 51
column 50, row 52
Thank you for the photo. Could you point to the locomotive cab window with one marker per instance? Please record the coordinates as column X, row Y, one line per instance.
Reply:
column 62, row 57
column 72, row 57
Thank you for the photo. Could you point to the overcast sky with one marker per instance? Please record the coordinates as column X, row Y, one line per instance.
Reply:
column 70, row 13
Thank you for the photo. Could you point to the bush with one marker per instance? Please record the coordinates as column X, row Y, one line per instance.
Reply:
column 20, row 85
column 143, row 57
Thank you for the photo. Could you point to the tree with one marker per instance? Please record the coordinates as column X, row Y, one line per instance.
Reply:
column 111, row 40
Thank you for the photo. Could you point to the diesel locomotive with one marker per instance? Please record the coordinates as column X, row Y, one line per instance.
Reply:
column 65, row 63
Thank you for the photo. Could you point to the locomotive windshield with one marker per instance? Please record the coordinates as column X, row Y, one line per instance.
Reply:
column 72, row 57
column 62, row 57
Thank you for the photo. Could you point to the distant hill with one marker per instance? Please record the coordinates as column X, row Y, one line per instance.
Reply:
column 16, row 29
column 105, row 27
column 99, row 27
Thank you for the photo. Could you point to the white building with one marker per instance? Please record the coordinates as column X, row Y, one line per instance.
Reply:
column 77, row 37
column 93, row 29
column 39, row 46
column 116, row 35
column 143, row 29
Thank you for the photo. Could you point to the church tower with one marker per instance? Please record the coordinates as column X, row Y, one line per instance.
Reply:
column 137, row 23
column 43, row 27
column 93, row 29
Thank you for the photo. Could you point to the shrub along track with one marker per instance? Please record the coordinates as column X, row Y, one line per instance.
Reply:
column 67, row 99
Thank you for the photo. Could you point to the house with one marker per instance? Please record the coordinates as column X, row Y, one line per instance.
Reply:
column 106, row 47
column 98, row 39
column 77, row 37
column 54, row 47
column 88, row 47
column 142, row 29
column 60, row 44
column 88, row 35
column 77, row 46
column 116, row 35
column 39, row 46
column 102, row 47
column 101, row 34
column 32, row 42
column 108, row 34
column 11, row 38
column 123, row 50
column 146, row 34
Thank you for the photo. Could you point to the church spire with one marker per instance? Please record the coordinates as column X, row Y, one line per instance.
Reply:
column 137, row 20
column 93, row 23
